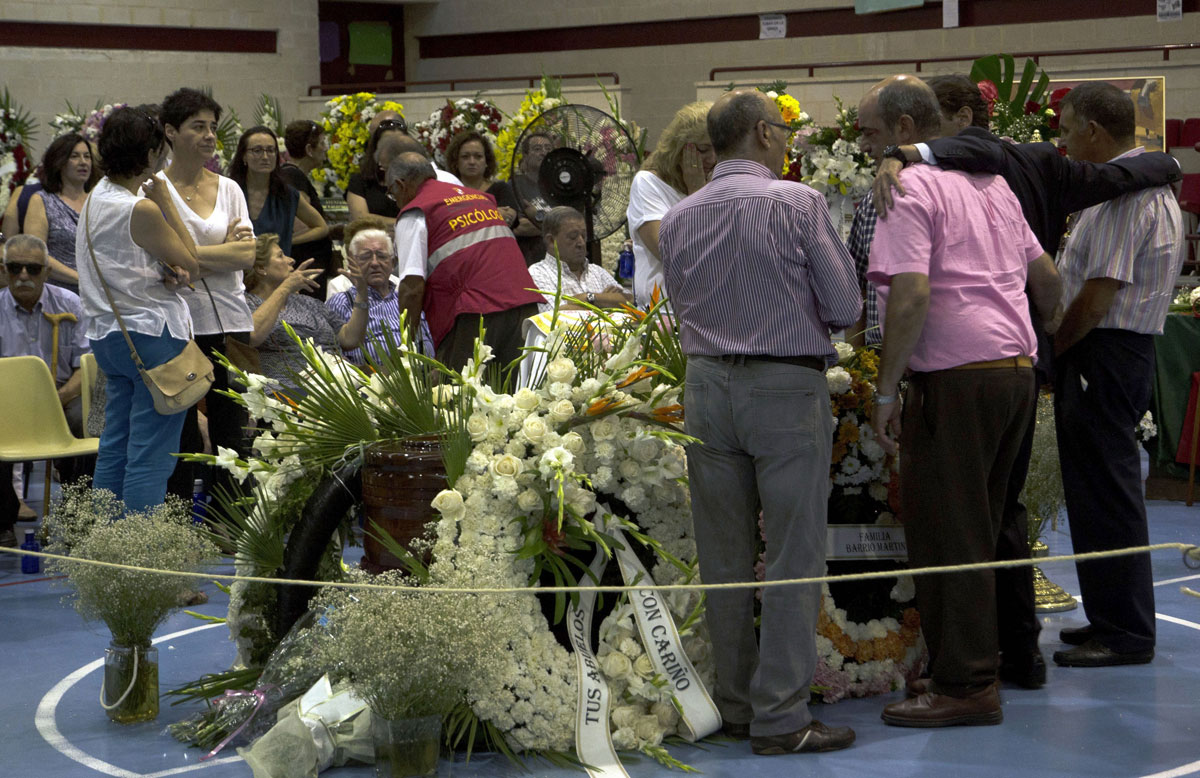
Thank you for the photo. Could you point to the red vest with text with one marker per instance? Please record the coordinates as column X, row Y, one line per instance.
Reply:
column 473, row 264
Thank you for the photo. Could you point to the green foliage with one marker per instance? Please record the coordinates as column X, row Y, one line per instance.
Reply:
column 1000, row 69
column 16, row 120
column 1043, row 493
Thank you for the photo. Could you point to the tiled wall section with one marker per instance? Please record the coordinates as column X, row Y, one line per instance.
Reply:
column 43, row 79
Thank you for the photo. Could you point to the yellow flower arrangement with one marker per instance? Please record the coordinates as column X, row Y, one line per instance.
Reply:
column 345, row 121
column 534, row 105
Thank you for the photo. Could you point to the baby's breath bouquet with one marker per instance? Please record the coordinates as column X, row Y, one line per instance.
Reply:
column 131, row 602
column 407, row 653
column 1043, row 493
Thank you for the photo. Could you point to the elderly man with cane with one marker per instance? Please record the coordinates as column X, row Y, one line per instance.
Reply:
column 44, row 321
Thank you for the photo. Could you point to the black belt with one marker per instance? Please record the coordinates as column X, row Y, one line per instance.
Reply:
column 812, row 363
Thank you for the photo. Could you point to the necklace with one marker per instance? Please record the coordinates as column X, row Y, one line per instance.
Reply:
column 195, row 191
column 195, row 188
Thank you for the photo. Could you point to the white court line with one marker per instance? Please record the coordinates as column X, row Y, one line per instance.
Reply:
column 1177, row 580
column 48, row 728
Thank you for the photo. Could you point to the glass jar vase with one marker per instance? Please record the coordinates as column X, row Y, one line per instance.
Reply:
column 129, row 692
column 406, row 747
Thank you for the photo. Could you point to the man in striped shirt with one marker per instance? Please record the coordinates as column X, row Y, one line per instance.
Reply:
column 758, row 278
column 1119, row 268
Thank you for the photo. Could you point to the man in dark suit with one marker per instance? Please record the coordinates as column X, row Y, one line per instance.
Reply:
column 1049, row 187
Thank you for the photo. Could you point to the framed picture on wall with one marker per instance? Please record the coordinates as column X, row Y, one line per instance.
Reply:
column 1149, row 97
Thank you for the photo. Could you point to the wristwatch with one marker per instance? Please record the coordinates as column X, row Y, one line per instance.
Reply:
column 362, row 305
column 895, row 153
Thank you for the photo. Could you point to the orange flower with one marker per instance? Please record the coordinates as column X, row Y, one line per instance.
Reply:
column 602, row 405
column 634, row 312
column 668, row 413
column 284, row 398
column 637, row 375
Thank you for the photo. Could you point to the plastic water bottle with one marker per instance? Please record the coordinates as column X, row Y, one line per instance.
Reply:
column 31, row 564
column 199, row 501
column 625, row 264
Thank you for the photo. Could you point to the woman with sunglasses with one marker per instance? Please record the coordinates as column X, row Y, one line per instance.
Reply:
column 53, row 213
column 365, row 194
column 144, row 254
column 274, row 206
column 306, row 145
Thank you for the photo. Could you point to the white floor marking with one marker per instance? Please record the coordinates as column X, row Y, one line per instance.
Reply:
column 1177, row 580
column 48, row 729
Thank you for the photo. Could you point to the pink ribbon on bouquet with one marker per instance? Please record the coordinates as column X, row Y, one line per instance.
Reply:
column 229, row 696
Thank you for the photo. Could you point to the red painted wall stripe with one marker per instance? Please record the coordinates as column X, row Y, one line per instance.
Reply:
column 800, row 24
column 137, row 38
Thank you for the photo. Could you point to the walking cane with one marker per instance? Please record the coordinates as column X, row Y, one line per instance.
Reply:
column 55, row 319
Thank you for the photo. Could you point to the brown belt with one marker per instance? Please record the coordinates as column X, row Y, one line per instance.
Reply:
column 1013, row 362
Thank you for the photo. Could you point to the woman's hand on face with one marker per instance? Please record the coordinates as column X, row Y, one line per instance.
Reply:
column 238, row 231
column 302, row 277
column 692, row 169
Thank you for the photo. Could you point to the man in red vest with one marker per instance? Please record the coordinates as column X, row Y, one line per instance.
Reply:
column 459, row 262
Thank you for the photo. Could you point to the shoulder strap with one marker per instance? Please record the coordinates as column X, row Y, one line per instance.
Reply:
column 214, row 304
column 87, row 213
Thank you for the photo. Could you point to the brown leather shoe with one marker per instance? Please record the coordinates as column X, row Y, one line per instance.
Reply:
column 916, row 687
column 735, row 730
column 813, row 738
column 941, row 710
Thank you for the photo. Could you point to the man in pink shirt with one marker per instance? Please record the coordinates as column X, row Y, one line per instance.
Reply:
column 952, row 262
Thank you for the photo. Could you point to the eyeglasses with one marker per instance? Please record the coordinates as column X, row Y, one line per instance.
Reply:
column 367, row 256
column 393, row 124
column 780, row 125
column 541, row 149
column 32, row 268
column 262, row 151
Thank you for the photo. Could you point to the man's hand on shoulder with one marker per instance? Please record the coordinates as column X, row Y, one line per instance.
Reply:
column 886, row 179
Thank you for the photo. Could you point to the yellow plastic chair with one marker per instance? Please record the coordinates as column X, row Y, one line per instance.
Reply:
column 33, row 425
column 87, row 374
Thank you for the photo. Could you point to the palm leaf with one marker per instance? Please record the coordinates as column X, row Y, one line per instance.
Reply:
column 19, row 120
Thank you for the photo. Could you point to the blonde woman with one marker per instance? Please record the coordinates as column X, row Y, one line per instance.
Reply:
column 680, row 164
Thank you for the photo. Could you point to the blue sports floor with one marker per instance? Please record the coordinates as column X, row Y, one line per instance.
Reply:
column 1131, row 721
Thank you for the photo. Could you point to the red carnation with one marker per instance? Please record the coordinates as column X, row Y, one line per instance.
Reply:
column 990, row 94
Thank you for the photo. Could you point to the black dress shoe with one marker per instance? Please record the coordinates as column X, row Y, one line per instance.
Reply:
column 736, row 731
column 1095, row 654
column 1076, row 636
column 815, row 737
column 1026, row 670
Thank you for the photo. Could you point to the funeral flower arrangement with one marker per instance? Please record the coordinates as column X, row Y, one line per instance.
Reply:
column 830, row 160
column 345, row 120
column 88, row 124
column 535, row 103
column 859, row 463
column 462, row 115
column 17, row 130
column 793, row 116
column 527, row 472
column 1023, row 110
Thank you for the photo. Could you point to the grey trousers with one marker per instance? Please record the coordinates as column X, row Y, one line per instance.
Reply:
column 767, row 433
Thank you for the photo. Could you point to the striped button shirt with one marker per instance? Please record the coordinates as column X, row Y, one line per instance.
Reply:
column 383, row 313
column 1136, row 239
column 754, row 265
column 862, row 232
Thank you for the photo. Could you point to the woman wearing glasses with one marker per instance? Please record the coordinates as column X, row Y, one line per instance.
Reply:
column 306, row 145
column 213, row 209
column 272, row 292
column 365, row 194
column 274, row 206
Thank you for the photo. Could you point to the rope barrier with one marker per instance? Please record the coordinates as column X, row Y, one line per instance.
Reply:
column 1189, row 551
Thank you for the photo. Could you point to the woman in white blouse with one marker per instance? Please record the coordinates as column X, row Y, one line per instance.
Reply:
column 680, row 164
column 214, row 211
column 145, row 255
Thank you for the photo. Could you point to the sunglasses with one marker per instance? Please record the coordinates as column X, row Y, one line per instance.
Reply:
column 393, row 124
column 32, row 268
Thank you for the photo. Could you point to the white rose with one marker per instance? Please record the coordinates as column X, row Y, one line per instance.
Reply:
column 477, row 427
column 526, row 399
column 561, row 370
column 644, row 667
column 603, row 429
column 534, row 429
column 630, row 470
column 668, row 717
column 506, row 466
column 562, row 410
column 528, row 500
column 625, row 716
column 644, row 449
column 573, row 442
column 844, row 350
column 648, row 730
column 449, row 503
column 616, row 665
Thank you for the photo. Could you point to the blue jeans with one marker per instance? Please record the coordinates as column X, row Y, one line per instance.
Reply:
column 137, row 444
